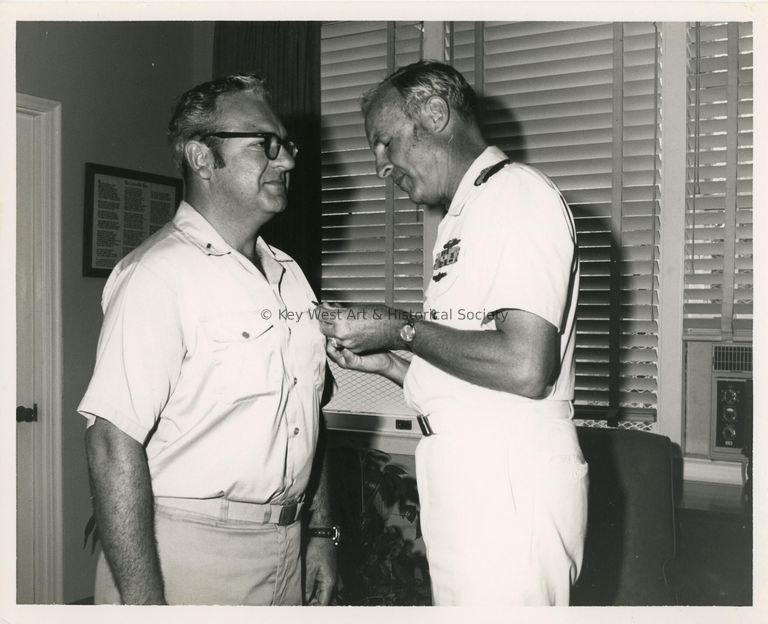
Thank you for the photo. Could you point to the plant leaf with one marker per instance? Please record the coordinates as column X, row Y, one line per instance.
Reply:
column 395, row 469
column 410, row 512
column 379, row 455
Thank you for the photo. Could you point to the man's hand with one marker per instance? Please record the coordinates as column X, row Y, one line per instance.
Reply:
column 320, row 581
column 369, row 363
column 363, row 328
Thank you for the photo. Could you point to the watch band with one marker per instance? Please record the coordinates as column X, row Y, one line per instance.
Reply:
column 331, row 533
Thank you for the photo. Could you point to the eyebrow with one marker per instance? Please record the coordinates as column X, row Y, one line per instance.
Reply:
column 252, row 134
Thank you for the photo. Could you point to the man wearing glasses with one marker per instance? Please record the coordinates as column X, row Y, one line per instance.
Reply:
column 203, row 408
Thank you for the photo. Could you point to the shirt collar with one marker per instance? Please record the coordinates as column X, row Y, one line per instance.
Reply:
column 199, row 231
column 272, row 261
column 489, row 157
column 203, row 235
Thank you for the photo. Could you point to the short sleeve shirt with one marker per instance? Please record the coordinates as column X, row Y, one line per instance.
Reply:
column 216, row 368
column 507, row 242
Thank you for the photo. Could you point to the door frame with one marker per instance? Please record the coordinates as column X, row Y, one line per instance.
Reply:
column 48, row 529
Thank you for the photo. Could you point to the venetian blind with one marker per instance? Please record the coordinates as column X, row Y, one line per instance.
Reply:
column 718, row 245
column 371, row 232
column 580, row 101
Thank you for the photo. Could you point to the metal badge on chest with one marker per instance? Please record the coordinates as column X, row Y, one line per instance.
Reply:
column 448, row 255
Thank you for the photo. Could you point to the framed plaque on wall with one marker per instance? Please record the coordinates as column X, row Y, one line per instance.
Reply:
column 122, row 208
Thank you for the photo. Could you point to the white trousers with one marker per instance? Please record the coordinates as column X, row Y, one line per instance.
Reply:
column 503, row 514
column 209, row 561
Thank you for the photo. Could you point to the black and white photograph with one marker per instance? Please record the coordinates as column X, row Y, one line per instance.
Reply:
column 381, row 308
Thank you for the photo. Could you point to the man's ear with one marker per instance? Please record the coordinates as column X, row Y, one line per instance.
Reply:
column 199, row 159
column 435, row 114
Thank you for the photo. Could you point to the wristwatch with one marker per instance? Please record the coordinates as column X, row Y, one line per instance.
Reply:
column 332, row 533
column 408, row 332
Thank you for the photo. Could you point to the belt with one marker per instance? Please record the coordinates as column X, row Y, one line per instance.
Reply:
column 225, row 509
column 426, row 428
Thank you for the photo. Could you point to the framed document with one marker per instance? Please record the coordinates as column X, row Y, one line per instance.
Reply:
column 122, row 208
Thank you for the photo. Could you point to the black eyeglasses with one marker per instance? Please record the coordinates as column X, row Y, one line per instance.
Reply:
column 272, row 142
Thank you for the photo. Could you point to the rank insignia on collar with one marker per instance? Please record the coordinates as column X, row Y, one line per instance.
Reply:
column 448, row 255
column 438, row 276
column 486, row 173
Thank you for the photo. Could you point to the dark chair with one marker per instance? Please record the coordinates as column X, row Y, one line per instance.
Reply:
column 630, row 545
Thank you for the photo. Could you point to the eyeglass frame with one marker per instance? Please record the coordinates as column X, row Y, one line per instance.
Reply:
column 270, row 139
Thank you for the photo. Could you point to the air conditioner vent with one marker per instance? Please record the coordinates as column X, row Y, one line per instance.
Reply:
column 732, row 358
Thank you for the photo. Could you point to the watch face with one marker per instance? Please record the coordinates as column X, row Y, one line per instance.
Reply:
column 407, row 332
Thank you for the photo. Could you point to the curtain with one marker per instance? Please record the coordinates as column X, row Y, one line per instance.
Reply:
column 287, row 55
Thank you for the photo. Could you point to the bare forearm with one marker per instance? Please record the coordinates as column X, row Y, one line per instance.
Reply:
column 124, row 508
column 491, row 359
column 321, row 505
column 521, row 355
column 397, row 369
column 475, row 356
column 320, row 578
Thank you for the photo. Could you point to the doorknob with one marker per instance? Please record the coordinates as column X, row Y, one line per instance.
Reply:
column 26, row 414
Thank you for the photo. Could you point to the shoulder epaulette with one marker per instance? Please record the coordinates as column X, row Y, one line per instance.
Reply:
column 488, row 172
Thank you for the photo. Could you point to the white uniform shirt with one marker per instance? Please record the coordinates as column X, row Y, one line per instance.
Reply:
column 211, row 364
column 508, row 242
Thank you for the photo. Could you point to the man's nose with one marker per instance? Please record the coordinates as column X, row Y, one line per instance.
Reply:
column 383, row 167
column 284, row 160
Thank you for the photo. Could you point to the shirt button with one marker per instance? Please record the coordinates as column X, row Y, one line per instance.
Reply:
column 295, row 381
column 296, row 431
column 246, row 335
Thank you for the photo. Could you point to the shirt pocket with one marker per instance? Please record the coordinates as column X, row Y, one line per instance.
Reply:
column 446, row 300
column 447, row 262
column 245, row 355
column 440, row 284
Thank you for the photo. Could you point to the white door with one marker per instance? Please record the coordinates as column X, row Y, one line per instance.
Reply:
column 38, row 349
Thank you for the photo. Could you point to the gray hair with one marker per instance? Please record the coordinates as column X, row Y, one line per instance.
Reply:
column 419, row 81
column 195, row 113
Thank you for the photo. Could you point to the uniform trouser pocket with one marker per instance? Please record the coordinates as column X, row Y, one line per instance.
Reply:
column 208, row 561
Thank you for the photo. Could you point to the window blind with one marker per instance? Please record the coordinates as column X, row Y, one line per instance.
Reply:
column 371, row 232
column 718, row 246
column 580, row 101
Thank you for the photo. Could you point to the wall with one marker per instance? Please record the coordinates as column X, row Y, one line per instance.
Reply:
column 116, row 82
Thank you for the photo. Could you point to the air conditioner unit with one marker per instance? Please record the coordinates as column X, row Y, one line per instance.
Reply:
column 731, row 406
